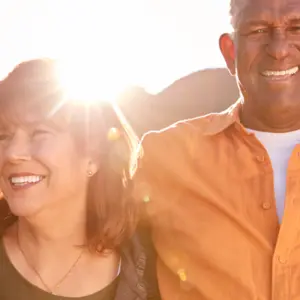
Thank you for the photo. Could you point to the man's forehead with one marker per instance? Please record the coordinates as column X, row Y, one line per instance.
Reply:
column 244, row 9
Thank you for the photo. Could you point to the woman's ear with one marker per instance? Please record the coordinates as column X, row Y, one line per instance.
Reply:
column 227, row 48
column 92, row 168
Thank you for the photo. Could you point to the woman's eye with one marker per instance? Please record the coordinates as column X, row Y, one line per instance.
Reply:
column 295, row 29
column 39, row 132
column 4, row 136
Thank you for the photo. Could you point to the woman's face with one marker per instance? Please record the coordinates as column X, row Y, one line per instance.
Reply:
column 41, row 167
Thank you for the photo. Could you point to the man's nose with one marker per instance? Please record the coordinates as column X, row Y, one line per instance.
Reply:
column 279, row 45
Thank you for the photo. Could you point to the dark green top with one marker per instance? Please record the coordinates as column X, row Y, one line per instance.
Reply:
column 13, row 286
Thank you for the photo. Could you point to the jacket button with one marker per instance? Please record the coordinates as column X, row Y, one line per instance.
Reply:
column 266, row 205
column 260, row 159
column 182, row 274
column 141, row 286
column 282, row 260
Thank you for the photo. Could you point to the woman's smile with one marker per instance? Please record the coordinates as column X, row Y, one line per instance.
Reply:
column 20, row 181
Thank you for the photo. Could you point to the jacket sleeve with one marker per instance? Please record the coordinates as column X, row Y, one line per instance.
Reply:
column 150, row 274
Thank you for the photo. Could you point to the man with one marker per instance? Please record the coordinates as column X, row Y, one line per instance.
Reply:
column 222, row 191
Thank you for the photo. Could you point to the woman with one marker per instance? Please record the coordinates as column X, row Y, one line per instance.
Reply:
column 67, row 218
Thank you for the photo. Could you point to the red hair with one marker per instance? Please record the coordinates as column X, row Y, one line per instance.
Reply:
column 33, row 88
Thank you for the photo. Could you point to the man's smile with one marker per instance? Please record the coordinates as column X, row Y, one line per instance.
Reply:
column 279, row 75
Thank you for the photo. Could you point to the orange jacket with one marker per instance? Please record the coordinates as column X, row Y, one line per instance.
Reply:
column 208, row 190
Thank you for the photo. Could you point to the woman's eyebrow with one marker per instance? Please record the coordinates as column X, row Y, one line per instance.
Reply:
column 294, row 19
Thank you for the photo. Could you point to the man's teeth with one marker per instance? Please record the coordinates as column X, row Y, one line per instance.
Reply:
column 26, row 179
column 291, row 71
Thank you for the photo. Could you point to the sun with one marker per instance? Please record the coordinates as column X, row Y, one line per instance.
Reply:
column 97, row 44
column 83, row 83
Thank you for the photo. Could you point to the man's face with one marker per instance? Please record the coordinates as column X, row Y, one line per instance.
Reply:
column 264, row 52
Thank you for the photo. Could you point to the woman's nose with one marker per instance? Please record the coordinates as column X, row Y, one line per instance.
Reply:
column 18, row 148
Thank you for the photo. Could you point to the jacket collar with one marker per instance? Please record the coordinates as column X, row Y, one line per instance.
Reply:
column 131, row 285
column 215, row 123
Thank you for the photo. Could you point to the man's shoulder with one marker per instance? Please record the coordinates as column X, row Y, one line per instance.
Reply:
column 202, row 126
column 175, row 143
column 183, row 141
column 184, row 130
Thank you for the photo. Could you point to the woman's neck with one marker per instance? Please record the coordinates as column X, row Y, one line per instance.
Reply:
column 53, row 232
column 60, row 223
column 69, row 230
column 45, row 243
column 58, row 261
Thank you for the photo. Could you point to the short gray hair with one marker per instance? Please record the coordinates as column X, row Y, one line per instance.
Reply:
column 234, row 7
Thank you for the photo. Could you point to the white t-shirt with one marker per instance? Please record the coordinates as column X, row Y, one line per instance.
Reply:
column 279, row 147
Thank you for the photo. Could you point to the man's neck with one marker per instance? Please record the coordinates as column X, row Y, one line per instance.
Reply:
column 277, row 120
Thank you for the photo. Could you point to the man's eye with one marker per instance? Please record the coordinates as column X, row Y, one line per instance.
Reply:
column 259, row 30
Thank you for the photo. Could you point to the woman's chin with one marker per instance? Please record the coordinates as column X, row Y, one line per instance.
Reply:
column 23, row 208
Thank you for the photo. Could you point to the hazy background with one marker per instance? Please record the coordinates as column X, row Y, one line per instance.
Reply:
column 142, row 42
column 165, row 51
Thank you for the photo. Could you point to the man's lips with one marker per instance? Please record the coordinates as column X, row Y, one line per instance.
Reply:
column 280, row 74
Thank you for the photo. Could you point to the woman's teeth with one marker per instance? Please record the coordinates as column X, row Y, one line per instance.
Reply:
column 22, row 180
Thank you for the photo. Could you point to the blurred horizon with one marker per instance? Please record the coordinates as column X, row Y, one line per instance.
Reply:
column 147, row 43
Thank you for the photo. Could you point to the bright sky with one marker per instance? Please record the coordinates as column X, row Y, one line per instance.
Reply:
column 145, row 42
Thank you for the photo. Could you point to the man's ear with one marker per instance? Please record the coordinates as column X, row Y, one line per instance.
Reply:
column 227, row 48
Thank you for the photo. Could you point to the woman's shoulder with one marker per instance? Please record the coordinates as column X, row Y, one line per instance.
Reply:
column 138, row 271
column 6, row 217
column 4, row 209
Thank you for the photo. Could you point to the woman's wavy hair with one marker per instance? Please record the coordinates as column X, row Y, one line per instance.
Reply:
column 33, row 87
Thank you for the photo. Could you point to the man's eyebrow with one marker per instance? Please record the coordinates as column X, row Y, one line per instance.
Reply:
column 259, row 22
column 256, row 22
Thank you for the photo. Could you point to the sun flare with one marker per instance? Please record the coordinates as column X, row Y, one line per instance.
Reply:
column 84, row 85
